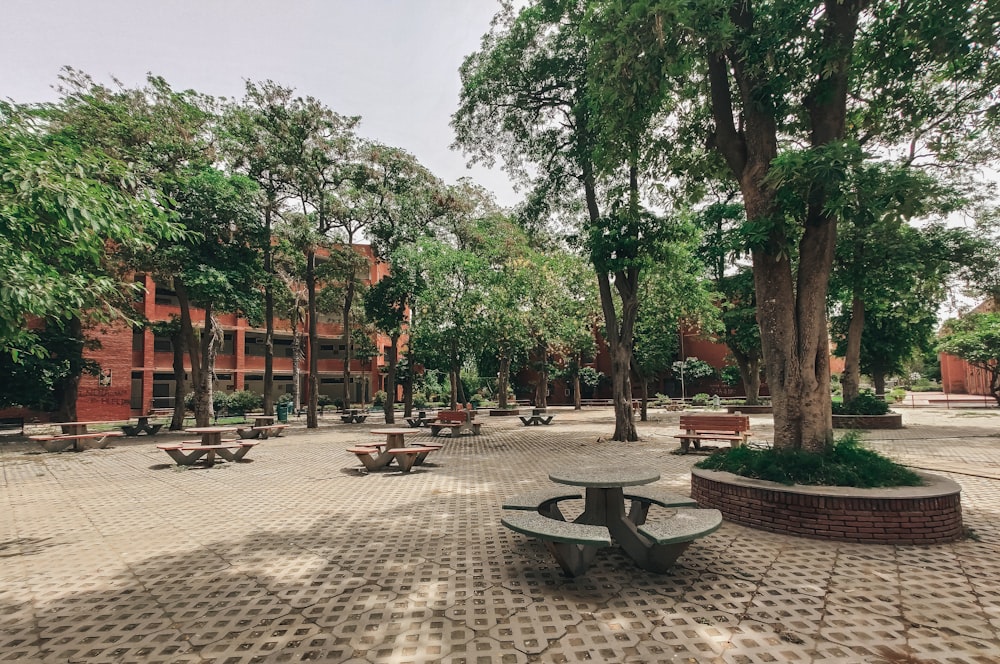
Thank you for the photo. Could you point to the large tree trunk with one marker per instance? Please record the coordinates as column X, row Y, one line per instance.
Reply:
column 268, row 314
column 211, row 341
column 503, row 380
column 67, row 390
column 390, row 381
column 348, row 302
column 297, row 357
column 749, row 368
column 791, row 311
column 180, row 385
column 542, row 380
column 194, row 350
column 577, row 403
column 312, row 420
column 851, row 379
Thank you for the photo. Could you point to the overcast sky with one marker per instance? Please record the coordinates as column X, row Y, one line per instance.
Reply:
column 393, row 62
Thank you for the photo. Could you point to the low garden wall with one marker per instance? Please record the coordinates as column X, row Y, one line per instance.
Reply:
column 887, row 421
column 928, row 514
column 750, row 410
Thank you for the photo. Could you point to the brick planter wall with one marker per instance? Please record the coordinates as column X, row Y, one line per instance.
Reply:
column 928, row 514
column 888, row 421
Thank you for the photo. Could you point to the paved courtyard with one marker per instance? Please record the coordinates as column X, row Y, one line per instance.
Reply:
column 299, row 556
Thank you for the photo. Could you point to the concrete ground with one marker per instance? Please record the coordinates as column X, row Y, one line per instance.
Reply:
column 298, row 555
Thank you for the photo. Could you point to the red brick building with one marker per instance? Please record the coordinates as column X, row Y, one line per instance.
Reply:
column 960, row 377
column 137, row 365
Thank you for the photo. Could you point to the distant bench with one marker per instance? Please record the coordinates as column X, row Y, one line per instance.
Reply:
column 457, row 421
column 261, row 432
column 733, row 428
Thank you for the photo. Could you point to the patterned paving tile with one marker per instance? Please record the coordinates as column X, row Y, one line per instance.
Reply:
column 112, row 556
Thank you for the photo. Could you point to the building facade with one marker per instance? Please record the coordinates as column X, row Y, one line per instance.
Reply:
column 137, row 374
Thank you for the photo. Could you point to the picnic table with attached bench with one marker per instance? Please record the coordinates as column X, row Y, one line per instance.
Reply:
column 421, row 419
column 734, row 428
column 456, row 421
column 373, row 457
column 143, row 425
column 263, row 426
column 211, row 444
column 537, row 417
column 574, row 544
column 353, row 415
column 75, row 435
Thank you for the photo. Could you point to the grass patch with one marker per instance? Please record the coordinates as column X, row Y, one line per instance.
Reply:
column 846, row 463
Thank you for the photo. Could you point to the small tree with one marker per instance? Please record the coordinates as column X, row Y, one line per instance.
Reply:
column 975, row 338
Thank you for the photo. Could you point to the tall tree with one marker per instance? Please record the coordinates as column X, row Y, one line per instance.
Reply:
column 258, row 141
column 797, row 89
column 543, row 93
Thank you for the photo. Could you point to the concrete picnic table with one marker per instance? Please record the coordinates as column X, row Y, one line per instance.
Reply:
column 395, row 449
column 74, row 434
column 142, row 425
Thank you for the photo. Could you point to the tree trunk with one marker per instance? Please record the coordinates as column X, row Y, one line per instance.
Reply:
column 503, row 380
column 210, row 342
column 390, row 381
column 297, row 357
column 68, row 388
column 645, row 401
column 180, row 385
column 851, row 380
column 749, row 375
column 791, row 311
column 577, row 403
column 194, row 350
column 348, row 351
column 312, row 419
column 408, row 393
column 878, row 381
column 268, row 313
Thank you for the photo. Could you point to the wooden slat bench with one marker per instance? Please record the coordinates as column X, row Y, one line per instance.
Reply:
column 573, row 545
column 733, row 428
column 62, row 442
column 457, row 421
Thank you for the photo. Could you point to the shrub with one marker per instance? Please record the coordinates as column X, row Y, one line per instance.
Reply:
column 661, row 400
column 865, row 404
column 244, row 401
column 700, row 399
column 287, row 397
column 419, row 400
column 476, row 400
column 326, row 400
column 730, row 375
column 846, row 463
column 379, row 398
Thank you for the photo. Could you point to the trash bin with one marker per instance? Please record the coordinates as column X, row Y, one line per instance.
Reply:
column 283, row 410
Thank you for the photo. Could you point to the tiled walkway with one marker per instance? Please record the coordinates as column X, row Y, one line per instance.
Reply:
column 298, row 556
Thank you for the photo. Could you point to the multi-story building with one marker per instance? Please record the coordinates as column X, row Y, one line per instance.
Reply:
column 137, row 373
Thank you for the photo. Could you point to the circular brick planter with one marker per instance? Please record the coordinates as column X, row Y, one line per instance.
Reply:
column 750, row 410
column 928, row 514
column 887, row 421
column 504, row 412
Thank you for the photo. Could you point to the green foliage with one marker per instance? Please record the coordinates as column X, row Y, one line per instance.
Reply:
column 286, row 398
column 419, row 400
column 866, row 403
column 730, row 375
column 244, row 401
column 476, row 399
column 846, row 463
column 379, row 398
column 693, row 368
column 700, row 399
column 34, row 380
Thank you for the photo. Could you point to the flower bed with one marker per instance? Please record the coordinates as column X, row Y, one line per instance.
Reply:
column 928, row 514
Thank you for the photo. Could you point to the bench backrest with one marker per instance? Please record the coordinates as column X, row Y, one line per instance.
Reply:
column 453, row 415
column 715, row 422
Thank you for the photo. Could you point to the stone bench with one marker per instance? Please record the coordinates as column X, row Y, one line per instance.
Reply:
column 188, row 452
column 643, row 496
column 673, row 535
column 573, row 545
column 261, row 432
column 543, row 501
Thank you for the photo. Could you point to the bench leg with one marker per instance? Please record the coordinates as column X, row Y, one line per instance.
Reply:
column 56, row 445
column 182, row 459
column 405, row 461
column 661, row 557
column 685, row 445
column 638, row 510
column 153, row 429
column 374, row 463
column 228, row 455
column 248, row 434
column 550, row 508
column 131, row 431
column 574, row 559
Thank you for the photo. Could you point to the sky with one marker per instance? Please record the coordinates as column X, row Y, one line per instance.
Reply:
column 393, row 62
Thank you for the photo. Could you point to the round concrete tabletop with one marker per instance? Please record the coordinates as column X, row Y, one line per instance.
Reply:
column 604, row 477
